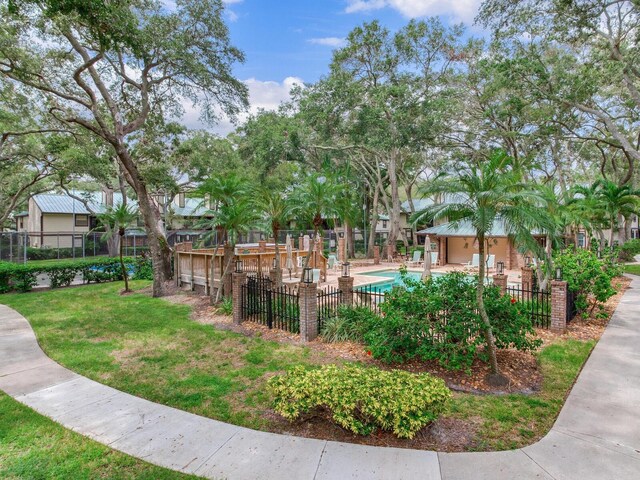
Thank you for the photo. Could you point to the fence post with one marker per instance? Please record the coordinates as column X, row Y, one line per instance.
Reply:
column 262, row 246
column 308, row 311
column 345, row 284
column 239, row 279
column 558, row 306
column 527, row 283
column 176, row 266
column 500, row 281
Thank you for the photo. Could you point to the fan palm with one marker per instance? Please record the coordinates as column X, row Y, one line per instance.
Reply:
column 618, row 202
column 118, row 218
column 482, row 194
column 276, row 208
column 315, row 199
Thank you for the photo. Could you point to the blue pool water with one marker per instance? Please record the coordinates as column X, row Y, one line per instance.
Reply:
column 394, row 279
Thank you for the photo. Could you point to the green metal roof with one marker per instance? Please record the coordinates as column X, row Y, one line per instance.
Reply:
column 464, row 229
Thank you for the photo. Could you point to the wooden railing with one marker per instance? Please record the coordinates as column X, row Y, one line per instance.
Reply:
column 205, row 267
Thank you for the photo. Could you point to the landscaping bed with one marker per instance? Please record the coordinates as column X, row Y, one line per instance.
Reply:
column 169, row 353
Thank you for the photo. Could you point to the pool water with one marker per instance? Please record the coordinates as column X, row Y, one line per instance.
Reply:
column 394, row 279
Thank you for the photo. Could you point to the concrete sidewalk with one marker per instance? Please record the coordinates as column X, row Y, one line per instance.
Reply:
column 596, row 436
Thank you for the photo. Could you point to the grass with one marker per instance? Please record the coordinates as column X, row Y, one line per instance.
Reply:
column 34, row 447
column 513, row 421
column 151, row 348
column 634, row 269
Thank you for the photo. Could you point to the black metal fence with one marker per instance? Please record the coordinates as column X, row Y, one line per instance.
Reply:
column 328, row 302
column 537, row 304
column 572, row 308
column 369, row 296
column 265, row 304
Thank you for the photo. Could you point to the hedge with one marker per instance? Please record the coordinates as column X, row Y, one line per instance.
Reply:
column 22, row 278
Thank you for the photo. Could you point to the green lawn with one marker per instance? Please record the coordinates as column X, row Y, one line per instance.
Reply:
column 634, row 269
column 34, row 447
column 151, row 348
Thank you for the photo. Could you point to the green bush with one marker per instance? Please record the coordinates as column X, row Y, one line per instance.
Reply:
column 362, row 399
column 350, row 324
column 630, row 249
column 587, row 276
column 142, row 269
column 438, row 319
column 22, row 278
column 226, row 306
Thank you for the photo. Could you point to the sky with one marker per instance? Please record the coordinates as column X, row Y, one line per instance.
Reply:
column 289, row 42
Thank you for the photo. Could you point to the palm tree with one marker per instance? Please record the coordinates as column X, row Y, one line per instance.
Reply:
column 482, row 194
column 277, row 210
column 618, row 203
column 117, row 219
column 315, row 199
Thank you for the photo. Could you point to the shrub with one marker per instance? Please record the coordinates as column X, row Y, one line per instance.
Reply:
column 630, row 249
column 438, row 319
column 350, row 324
column 22, row 278
column 587, row 276
column 142, row 269
column 226, row 306
column 362, row 399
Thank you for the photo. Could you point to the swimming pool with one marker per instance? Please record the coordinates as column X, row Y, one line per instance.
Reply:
column 393, row 278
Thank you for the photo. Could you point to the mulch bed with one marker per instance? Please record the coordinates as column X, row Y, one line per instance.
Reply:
column 445, row 434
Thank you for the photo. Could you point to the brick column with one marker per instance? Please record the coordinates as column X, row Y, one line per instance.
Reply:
column 308, row 311
column 500, row 281
column 346, row 285
column 527, row 282
column 558, row 306
column 376, row 254
column 342, row 256
column 239, row 279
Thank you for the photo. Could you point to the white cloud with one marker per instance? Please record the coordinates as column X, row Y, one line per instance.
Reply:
column 464, row 10
column 266, row 95
column 328, row 41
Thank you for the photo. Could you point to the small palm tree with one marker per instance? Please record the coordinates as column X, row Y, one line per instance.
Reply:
column 315, row 199
column 277, row 209
column 483, row 194
column 118, row 218
column 618, row 202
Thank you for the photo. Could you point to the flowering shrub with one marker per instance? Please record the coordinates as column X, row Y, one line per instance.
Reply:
column 587, row 276
column 362, row 399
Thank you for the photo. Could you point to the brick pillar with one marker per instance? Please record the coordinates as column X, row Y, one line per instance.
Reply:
column 346, row 285
column 342, row 256
column 527, row 282
column 376, row 254
column 558, row 306
column 308, row 311
column 239, row 279
column 276, row 276
column 262, row 246
column 500, row 281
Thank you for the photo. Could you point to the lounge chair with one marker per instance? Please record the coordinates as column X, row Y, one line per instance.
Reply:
column 474, row 263
column 491, row 262
column 332, row 262
column 434, row 259
column 417, row 258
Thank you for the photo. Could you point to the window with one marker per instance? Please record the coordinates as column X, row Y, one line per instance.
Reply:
column 82, row 220
column 384, row 224
column 581, row 240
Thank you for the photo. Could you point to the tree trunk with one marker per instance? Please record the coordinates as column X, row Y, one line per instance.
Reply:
column 495, row 378
column 278, row 267
column 374, row 223
column 394, row 213
column 622, row 231
column 125, row 277
column 350, row 244
column 156, row 237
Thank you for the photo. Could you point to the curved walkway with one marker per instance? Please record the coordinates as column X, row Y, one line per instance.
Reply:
column 596, row 436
